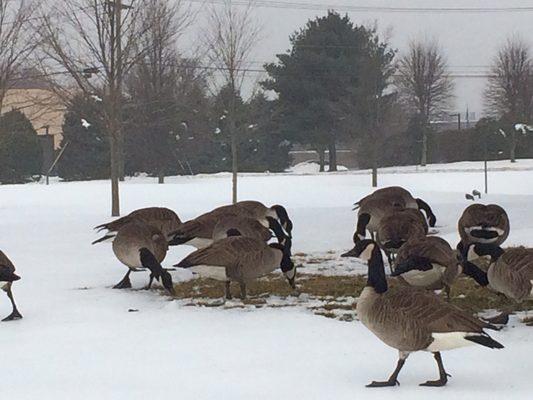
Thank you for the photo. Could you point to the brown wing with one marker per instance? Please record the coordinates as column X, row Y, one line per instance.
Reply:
column 512, row 274
column 228, row 252
column 433, row 248
column 430, row 312
column 157, row 216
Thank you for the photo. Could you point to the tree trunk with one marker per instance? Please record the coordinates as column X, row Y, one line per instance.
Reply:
column 321, row 158
column 332, row 156
column 115, row 171
column 374, row 164
column 512, row 148
column 161, row 176
column 424, row 158
column 121, row 157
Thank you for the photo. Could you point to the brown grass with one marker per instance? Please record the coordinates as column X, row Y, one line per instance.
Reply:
column 329, row 296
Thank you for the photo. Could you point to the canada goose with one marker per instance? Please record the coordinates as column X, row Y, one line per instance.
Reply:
column 139, row 245
column 411, row 320
column 198, row 232
column 427, row 262
column 510, row 271
column 403, row 198
column 370, row 213
column 259, row 211
column 232, row 225
column 7, row 277
column 164, row 219
column 241, row 259
column 484, row 224
column 399, row 227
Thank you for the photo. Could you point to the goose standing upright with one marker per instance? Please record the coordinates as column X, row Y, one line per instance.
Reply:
column 7, row 277
column 411, row 320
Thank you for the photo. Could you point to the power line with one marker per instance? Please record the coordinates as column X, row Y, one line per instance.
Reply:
column 366, row 8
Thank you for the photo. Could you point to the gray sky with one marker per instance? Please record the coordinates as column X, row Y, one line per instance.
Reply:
column 469, row 40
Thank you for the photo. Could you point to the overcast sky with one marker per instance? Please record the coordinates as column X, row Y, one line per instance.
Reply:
column 469, row 39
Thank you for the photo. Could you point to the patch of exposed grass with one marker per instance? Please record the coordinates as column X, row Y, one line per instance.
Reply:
column 329, row 296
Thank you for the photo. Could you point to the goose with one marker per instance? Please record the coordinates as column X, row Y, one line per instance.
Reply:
column 259, row 211
column 232, row 225
column 370, row 213
column 241, row 259
column 427, row 262
column 164, row 219
column 411, row 320
column 198, row 232
column 481, row 223
column 7, row 277
column 510, row 271
column 402, row 197
column 139, row 245
column 398, row 228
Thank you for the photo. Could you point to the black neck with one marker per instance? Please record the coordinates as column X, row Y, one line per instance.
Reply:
column 362, row 222
column 475, row 273
column 376, row 272
column 487, row 249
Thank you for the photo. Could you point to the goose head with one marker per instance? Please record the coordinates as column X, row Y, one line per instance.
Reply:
column 287, row 266
column 475, row 251
column 283, row 217
column 275, row 227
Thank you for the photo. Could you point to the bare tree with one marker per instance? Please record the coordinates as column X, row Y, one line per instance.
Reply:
column 97, row 45
column 424, row 84
column 509, row 93
column 16, row 40
column 230, row 36
column 153, row 84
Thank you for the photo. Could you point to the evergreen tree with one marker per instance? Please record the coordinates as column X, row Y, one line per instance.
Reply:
column 317, row 80
column 20, row 150
column 87, row 155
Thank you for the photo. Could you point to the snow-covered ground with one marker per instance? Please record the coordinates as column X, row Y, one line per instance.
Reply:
column 78, row 340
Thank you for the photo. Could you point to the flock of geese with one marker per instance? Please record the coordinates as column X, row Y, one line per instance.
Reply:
column 247, row 240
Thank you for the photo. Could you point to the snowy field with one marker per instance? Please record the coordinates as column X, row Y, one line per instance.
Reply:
column 78, row 341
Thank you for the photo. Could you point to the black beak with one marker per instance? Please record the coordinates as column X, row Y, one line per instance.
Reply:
column 292, row 282
column 351, row 253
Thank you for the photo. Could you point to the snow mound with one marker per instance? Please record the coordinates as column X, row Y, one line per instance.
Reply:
column 310, row 167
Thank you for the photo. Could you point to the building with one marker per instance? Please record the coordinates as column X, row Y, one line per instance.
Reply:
column 42, row 107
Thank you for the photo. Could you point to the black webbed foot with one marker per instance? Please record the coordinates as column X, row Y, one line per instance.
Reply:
column 389, row 383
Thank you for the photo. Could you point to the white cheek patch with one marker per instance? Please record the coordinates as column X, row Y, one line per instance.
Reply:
column 367, row 253
column 472, row 255
column 264, row 222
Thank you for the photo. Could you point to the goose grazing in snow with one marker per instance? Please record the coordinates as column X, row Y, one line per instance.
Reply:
column 7, row 277
column 161, row 218
column 399, row 197
column 510, row 271
column 429, row 263
column 241, row 259
column 139, row 245
column 233, row 225
column 198, row 232
column 398, row 228
column 411, row 320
